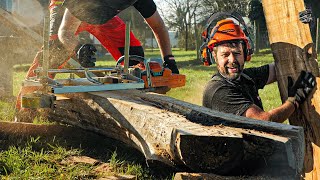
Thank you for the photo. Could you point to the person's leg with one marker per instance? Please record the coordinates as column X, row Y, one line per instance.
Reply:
column 96, row 11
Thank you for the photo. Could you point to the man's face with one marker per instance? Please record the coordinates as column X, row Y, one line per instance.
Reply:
column 230, row 60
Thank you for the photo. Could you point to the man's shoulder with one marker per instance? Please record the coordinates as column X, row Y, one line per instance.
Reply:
column 216, row 77
column 216, row 82
column 210, row 94
column 252, row 71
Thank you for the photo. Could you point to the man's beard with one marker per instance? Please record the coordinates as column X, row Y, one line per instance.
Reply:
column 233, row 67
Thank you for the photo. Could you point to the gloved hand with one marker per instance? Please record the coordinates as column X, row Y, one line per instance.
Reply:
column 299, row 91
column 305, row 16
column 169, row 62
column 86, row 55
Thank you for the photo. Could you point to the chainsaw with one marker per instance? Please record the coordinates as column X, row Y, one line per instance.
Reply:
column 147, row 74
column 152, row 72
column 39, row 91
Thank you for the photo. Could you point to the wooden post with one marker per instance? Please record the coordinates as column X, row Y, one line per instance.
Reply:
column 257, row 36
column 196, row 37
column 317, row 36
column 151, row 41
column 6, row 65
column 127, row 47
column 293, row 51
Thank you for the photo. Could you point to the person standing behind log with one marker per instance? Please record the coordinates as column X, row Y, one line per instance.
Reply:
column 100, row 11
column 234, row 89
column 111, row 35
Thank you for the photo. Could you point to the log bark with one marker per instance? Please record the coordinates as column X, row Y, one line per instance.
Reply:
column 171, row 131
column 293, row 51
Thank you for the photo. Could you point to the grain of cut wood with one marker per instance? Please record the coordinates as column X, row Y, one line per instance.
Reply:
column 171, row 131
column 293, row 51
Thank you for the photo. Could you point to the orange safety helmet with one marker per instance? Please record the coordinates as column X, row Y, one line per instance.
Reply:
column 225, row 30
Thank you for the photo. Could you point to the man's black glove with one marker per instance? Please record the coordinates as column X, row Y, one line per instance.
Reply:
column 305, row 16
column 169, row 62
column 299, row 91
column 86, row 55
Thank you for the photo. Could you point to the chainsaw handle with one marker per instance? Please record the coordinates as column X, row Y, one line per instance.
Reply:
column 131, row 58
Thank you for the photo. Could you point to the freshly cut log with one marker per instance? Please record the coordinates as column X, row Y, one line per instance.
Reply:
column 293, row 51
column 184, row 135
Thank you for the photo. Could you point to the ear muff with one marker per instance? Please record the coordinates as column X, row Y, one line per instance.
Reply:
column 249, row 50
column 206, row 56
column 210, row 59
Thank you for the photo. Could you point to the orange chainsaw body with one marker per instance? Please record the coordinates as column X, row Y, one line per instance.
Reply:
column 162, row 77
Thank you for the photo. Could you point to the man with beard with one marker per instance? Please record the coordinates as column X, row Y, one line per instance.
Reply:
column 235, row 89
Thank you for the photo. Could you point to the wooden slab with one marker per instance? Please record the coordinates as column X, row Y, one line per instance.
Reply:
column 170, row 131
column 208, row 117
column 293, row 51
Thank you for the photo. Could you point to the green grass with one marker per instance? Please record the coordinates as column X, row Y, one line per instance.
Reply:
column 42, row 159
column 23, row 162
column 123, row 167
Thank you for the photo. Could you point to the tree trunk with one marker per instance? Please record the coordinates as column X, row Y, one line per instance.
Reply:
column 293, row 51
column 258, row 36
column 196, row 37
column 186, row 36
column 317, row 36
column 151, row 41
column 171, row 131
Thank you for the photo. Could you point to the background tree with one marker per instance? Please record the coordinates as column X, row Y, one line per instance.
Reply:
column 138, row 26
column 314, row 5
column 209, row 7
column 188, row 17
column 181, row 15
column 257, row 18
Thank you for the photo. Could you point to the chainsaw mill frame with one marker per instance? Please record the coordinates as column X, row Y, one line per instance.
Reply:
column 116, row 78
